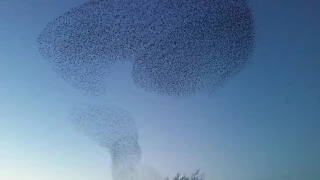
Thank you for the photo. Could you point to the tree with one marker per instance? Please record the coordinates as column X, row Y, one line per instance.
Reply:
column 194, row 176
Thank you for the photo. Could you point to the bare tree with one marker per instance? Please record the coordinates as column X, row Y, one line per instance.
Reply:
column 194, row 176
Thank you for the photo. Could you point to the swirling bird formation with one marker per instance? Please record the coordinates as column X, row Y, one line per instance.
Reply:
column 177, row 48
column 114, row 129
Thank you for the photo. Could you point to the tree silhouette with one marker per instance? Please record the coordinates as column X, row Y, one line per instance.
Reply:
column 194, row 176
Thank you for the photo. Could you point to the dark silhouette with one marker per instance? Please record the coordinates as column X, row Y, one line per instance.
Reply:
column 177, row 48
column 194, row 176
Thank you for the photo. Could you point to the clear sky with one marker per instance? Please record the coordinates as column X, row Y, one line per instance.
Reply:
column 264, row 124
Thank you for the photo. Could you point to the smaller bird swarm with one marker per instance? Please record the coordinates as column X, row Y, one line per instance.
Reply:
column 114, row 129
column 177, row 48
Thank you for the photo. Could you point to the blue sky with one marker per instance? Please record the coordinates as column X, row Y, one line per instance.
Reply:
column 263, row 124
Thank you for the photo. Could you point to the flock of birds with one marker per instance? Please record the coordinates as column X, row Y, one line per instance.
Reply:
column 114, row 129
column 177, row 48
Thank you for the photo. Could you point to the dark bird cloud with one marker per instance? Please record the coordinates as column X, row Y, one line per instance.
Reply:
column 177, row 48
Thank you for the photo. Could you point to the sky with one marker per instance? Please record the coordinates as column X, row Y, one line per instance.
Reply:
column 264, row 124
